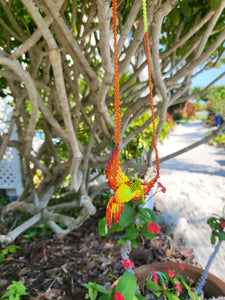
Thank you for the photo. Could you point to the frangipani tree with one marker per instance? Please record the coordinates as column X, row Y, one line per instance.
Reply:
column 56, row 58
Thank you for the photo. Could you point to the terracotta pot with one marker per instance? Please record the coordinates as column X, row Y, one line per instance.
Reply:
column 214, row 287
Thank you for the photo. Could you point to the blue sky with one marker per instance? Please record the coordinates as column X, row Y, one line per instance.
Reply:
column 207, row 76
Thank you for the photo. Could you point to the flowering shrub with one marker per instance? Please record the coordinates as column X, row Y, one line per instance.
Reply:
column 170, row 285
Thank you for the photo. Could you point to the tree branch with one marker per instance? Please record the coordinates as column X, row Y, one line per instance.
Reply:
column 176, row 100
column 209, row 29
column 76, row 52
column 187, row 36
column 198, row 61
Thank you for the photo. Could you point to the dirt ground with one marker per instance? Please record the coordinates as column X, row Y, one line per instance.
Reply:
column 53, row 268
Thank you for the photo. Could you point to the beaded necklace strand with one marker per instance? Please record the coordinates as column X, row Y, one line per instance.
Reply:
column 116, row 80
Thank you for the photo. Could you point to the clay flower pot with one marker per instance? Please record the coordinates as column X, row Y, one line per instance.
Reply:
column 214, row 287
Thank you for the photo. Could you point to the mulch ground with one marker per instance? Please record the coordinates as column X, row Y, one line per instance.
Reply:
column 53, row 268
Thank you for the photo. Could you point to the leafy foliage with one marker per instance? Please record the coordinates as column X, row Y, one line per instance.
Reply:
column 15, row 290
column 215, row 99
column 11, row 249
column 217, row 230
column 93, row 289
column 134, row 220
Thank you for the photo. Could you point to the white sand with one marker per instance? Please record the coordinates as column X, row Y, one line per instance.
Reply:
column 195, row 183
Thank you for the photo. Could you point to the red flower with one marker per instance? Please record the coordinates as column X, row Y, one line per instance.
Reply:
column 163, row 187
column 222, row 224
column 179, row 287
column 153, row 229
column 208, row 101
column 118, row 296
column 155, row 279
column 181, row 267
column 170, row 273
column 128, row 263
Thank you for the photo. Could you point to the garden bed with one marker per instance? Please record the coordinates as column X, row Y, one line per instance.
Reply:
column 53, row 268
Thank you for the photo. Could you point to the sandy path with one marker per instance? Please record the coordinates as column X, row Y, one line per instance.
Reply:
column 195, row 183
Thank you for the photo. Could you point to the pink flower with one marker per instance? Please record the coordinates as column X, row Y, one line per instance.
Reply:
column 163, row 188
column 155, row 279
column 170, row 273
column 181, row 267
column 208, row 101
column 118, row 296
column 179, row 287
column 222, row 224
column 128, row 263
column 153, row 229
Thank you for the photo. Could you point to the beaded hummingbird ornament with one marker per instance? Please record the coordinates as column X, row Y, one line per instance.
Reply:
column 125, row 189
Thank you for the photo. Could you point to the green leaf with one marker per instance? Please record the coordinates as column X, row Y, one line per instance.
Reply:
column 127, row 286
column 140, row 297
column 181, row 278
column 106, row 297
column 93, row 293
column 141, row 220
column 87, row 285
column 222, row 60
column 134, row 244
column 15, row 290
column 5, row 251
column 221, row 235
column 132, row 233
column 149, row 235
column 193, row 295
column 122, row 241
column 30, row 234
column 214, row 4
column 7, row 294
column 127, row 216
column 174, row 16
column 212, row 223
column 152, row 286
column 213, row 238
column 171, row 296
column 2, row 257
column 145, row 214
column 101, row 288
column 13, row 248
column 153, row 215
column 186, row 10
column 103, row 230
column 102, row 227
column 115, row 228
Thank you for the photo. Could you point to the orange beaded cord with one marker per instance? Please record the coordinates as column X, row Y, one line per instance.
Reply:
column 116, row 82
column 116, row 77
column 151, row 101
